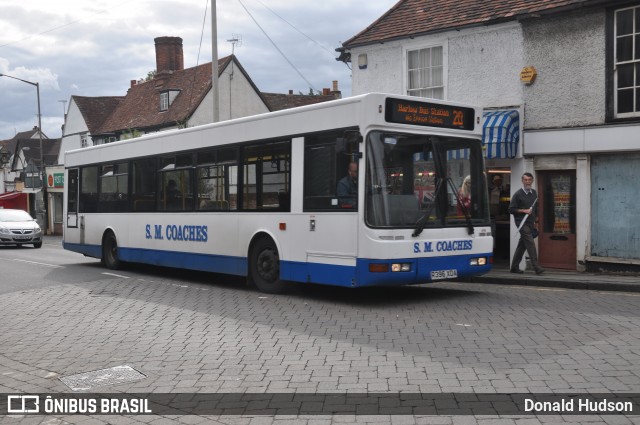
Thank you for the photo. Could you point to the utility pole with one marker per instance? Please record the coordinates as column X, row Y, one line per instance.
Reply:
column 64, row 107
column 41, row 168
column 214, row 62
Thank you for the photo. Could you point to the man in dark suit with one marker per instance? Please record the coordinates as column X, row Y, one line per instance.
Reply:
column 524, row 206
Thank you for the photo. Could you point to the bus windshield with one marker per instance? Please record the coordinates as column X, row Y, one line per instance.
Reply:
column 423, row 181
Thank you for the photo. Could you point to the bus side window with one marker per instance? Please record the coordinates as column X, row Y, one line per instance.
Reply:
column 216, row 171
column 328, row 184
column 88, row 189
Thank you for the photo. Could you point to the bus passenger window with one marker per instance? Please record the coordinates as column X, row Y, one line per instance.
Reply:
column 89, row 189
column 266, row 172
column 215, row 173
column 174, row 180
column 114, row 191
column 144, row 185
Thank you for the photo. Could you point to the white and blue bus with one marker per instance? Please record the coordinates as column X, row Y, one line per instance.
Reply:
column 259, row 196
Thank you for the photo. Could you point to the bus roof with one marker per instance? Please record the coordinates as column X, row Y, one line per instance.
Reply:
column 362, row 110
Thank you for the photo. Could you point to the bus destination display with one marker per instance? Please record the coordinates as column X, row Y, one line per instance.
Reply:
column 429, row 114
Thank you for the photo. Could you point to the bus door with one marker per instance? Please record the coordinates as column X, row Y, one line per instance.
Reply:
column 72, row 200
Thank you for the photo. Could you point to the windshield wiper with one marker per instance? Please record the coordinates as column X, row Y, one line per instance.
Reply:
column 422, row 221
column 465, row 210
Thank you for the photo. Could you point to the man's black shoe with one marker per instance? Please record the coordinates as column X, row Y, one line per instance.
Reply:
column 516, row 271
column 539, row 270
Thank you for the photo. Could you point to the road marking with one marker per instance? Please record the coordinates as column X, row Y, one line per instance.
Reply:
column 621, row 293
column 116, row 275
column 55, row 266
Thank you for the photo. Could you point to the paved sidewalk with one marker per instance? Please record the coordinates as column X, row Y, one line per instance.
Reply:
column 562, row 279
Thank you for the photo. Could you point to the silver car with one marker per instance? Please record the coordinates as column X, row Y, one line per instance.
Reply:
column 17, row 227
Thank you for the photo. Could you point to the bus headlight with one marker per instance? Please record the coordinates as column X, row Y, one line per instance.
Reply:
column 401, row 267
column 480, row 261
column 385, row 267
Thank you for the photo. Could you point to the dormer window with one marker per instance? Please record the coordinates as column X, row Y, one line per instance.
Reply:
column 164, row 101
column 166, row 98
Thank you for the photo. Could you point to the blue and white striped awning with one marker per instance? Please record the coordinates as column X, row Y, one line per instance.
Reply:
column 501, row 133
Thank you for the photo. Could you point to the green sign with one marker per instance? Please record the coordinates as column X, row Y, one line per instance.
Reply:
column 58, row 179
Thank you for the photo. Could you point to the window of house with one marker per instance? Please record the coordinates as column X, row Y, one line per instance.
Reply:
column 425, row 72
column 83, row 141
column 164, row 101
column 627, row 62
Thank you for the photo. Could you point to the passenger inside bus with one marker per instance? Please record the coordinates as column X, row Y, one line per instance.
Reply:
column 174, row 196
column 464, row 195
column 347, row 188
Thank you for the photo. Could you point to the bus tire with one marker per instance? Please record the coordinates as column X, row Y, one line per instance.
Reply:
column 264, row 267
column 110, row 252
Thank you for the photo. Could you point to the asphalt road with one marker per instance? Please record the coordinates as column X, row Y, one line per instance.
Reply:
column 62, row 314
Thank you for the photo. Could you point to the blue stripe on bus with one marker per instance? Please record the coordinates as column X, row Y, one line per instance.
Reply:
column 182, row 260
column 328, row 274
column 90, row 250
column 186, row 260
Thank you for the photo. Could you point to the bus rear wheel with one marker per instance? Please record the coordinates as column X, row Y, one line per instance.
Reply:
column 264, row 267
column 110, row 252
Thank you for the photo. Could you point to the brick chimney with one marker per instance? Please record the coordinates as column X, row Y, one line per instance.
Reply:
column 334, row 90
column 169, row 56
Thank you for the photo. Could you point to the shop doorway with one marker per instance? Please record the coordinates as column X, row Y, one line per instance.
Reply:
column 557, row 221
column 499, row 181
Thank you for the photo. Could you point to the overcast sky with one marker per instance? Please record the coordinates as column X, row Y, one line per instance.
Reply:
column 94, row 48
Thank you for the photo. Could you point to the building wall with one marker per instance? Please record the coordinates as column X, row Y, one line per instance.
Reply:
column 237, row 97
column 482, row 65
column 569, row 54
column 384, row 72
column 74, row 126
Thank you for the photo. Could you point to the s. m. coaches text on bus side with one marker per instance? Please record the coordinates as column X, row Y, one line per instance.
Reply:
column 177, row 232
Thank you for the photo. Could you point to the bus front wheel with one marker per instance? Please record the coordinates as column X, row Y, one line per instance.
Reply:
column 264, row 267
column 110, row 252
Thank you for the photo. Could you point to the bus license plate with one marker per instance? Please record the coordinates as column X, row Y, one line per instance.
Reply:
column 444, row 274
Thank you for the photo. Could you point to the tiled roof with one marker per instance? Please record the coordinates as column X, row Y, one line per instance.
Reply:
column 278, row 101
column 95, row 110
column 51, row 151
column 416, row 17
column 140, row 108
column 10, row 144
column 51, row 148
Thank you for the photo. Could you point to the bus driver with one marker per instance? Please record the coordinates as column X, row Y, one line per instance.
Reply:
column 348, row 186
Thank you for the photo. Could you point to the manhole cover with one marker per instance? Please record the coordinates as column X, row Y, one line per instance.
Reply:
column 99, row 378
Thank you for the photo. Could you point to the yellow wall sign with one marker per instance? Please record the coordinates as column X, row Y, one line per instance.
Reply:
column 528, row 74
